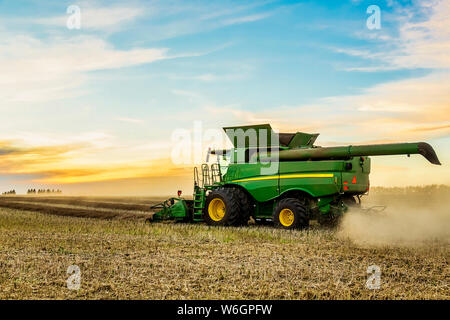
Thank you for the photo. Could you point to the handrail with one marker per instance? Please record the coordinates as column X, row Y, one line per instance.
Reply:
column 196, row 178
column 206, row 178
column 209, row 175
column 216, row 175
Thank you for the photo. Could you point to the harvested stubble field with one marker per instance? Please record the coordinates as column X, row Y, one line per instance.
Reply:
column 122, row 257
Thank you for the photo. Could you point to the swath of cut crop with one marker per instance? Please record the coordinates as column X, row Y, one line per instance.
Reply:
column 73, row 212
column 76, row 201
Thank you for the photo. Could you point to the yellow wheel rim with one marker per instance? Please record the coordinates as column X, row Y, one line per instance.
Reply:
column 216, row 209
column 286, row 217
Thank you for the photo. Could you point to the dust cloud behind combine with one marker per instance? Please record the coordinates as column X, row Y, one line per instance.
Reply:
column 414, row 216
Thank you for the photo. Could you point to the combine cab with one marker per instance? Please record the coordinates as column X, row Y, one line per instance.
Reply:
column 282, row 178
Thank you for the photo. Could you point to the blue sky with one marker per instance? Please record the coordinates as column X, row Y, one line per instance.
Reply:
column 112, row 93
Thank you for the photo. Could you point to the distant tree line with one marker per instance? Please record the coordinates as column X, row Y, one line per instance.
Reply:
column 9, row 192
column 41, row 191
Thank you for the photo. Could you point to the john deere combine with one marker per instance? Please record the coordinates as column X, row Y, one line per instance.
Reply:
column 283, row 178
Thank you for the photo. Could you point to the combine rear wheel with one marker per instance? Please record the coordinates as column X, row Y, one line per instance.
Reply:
column 222, row 208
column 291, row 213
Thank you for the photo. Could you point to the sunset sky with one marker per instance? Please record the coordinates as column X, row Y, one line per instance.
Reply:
column 95, row 110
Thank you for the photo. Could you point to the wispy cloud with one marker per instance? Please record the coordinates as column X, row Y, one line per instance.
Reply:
column 209, row 77
column 36, row 70
column 97, row 18
column 61, row 164
column 39, row 68
column 413, row 109
column 247, row 18
column 180, row 18
column 110, row 172
column 418, row 44
column 86, row 157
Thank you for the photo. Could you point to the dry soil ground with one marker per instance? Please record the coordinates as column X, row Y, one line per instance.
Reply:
column 122, row 257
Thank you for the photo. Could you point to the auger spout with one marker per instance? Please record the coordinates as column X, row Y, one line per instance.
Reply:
column 345, row 152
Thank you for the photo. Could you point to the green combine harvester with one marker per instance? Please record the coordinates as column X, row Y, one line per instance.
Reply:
column 280, row 178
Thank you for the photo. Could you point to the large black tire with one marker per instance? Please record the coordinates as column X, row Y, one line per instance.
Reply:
column 291, row 213
column 222, row 208
column 245, row 206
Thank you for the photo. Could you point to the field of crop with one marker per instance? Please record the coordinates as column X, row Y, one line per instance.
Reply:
column 120, row 256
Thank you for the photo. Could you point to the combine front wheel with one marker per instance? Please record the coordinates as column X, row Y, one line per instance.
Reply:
column 221, row 208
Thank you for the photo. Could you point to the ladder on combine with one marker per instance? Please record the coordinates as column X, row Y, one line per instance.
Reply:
column 207, row 180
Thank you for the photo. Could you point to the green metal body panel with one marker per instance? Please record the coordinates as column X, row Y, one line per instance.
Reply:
column 179, row 209
column 243, row 174
column 249, row 136
column 324, row 180
column 356, row 179
column 318, row 179
column 173, row 208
